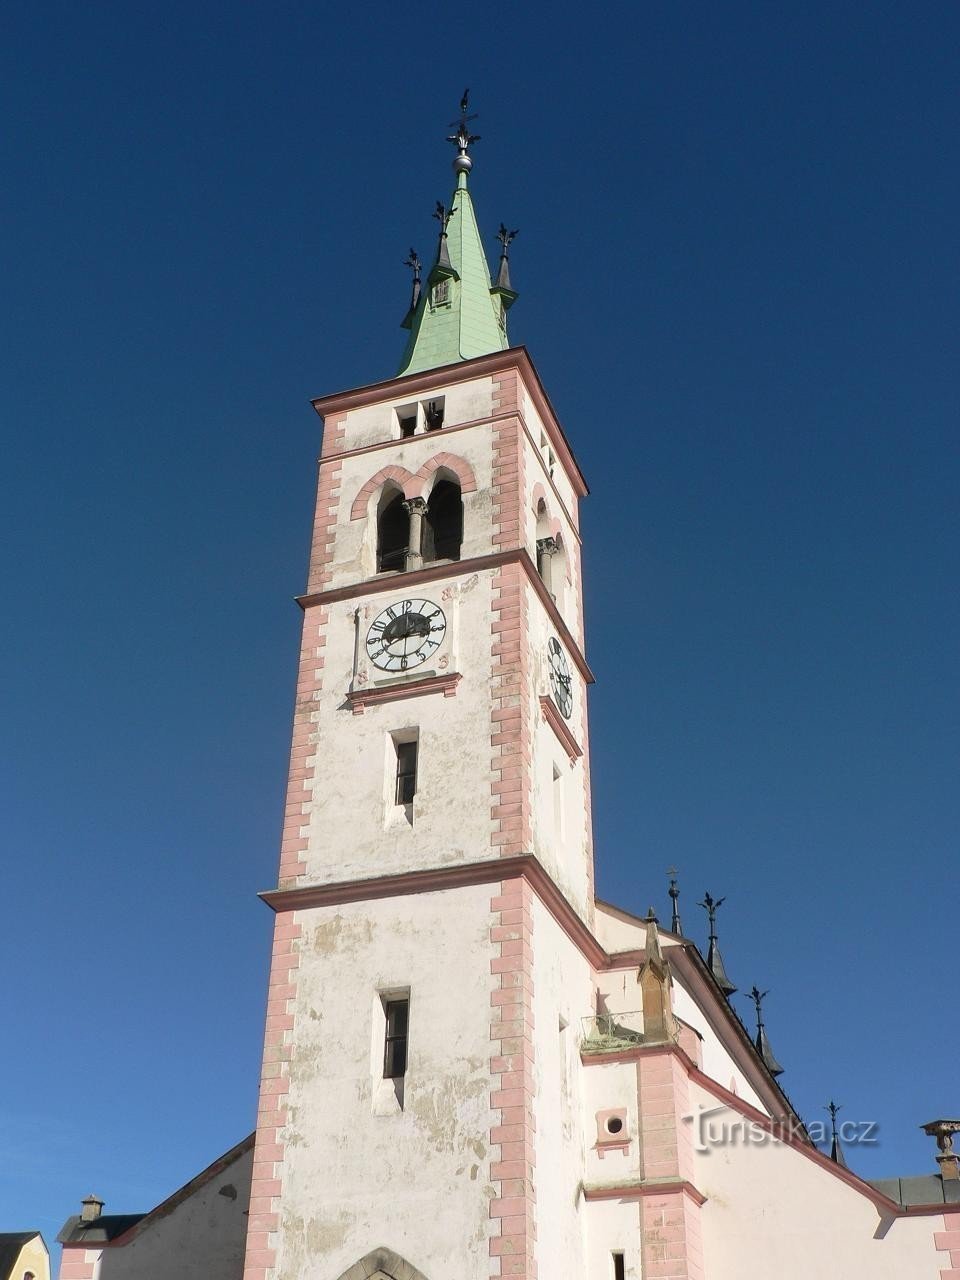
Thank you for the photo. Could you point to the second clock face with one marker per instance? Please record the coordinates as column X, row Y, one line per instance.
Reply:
column 405, row 634
column 561, row 686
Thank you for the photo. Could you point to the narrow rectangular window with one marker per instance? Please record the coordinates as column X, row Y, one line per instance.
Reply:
column 395, row 1042
column 408, row 426
column 406, row 772
column 618, row 1271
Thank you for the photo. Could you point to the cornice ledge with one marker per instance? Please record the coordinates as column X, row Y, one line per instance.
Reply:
column 358, row 699
column 434, row 879
column 559, row 727
column 638, row 1188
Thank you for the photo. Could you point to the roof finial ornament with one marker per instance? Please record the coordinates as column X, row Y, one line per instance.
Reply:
column 463, row 137
column 674, row 891
column 761, row 1041
column 413, row 262
column 714, row 958
column 836, row 1150
column 443, row 216
column 506, row 239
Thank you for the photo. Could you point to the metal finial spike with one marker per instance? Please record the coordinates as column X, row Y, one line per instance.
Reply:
column 836, row 1149
column 714, row 958
column 506, row 237
column 463, row 138
column 761, row 1041
column 413, row 262
column 674, row 891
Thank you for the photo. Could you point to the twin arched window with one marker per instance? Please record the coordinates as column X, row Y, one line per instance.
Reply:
column 412, row 532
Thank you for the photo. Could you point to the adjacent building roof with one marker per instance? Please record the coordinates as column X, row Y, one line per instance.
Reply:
column 11, row 1246
column 928, row 1188
column 100, row 1230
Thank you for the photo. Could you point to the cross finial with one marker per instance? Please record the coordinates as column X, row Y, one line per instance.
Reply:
column 412, row 261
column 836, row 1149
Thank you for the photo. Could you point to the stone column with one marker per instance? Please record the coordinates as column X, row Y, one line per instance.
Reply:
column 416, row 509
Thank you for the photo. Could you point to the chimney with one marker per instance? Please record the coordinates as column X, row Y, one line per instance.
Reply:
column 947, row 1159
column 90, row 1208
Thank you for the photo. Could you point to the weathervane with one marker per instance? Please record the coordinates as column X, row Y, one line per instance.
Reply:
column 674, row 891
column 463, row 138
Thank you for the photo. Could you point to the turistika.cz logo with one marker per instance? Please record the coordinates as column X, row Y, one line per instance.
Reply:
column 720, row 1127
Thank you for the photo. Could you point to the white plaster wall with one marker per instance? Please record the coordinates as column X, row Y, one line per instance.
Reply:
column 536, row 428
column 463, row 402
column 413, row 1181
column 619, row 931
column 770, row 1211
column 717, row 1062
column 562, row 990
column 567, row 592
column 612, row 1226
column 355, row 549
column 608, row 1086
column 202, row 1238
column 354, row 828
column 567, row 853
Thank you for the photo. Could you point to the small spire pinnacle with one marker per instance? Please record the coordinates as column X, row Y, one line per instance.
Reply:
column 506, row 239
column 463, row 138
column 761, row 1041
column 674, row 891
column 836, row 1150
column 413, row 262
column 443, row 216
column 714, row 958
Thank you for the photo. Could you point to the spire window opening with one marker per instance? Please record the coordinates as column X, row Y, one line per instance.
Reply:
column 443, row 527
column 440, row 294
column 619, row 1271
column 393, row 532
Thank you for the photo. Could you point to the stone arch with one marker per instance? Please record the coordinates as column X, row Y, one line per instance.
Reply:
column 539, row 496
column 358, row 508
column 382, row 1264
column 458, row 467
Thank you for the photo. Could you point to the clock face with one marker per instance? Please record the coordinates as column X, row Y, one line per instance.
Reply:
column 405, row 634
column 561, row 685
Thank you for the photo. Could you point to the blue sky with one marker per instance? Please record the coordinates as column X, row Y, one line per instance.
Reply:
column 738, row 269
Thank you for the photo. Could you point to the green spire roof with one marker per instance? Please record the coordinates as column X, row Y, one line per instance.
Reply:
column 458, row 315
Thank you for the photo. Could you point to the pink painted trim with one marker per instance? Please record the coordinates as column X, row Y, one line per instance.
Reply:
column 637, row 1191
column 559, row 727
column 452, row 462
column 399, row 475
column 476, row 564
column 512, row 1150
column 446, row 684
column 269, row 1151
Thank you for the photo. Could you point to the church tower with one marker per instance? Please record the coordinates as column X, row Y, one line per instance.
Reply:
column 436, row 850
